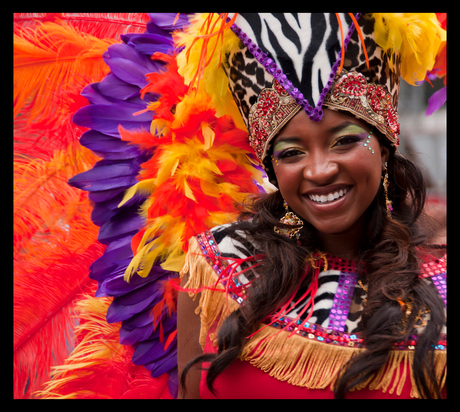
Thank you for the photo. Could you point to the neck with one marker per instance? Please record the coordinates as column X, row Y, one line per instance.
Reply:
column 345, row 245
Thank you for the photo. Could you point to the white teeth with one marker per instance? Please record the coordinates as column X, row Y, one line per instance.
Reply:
column 330, row 197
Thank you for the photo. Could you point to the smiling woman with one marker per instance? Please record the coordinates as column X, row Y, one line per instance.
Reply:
column 325, row 281
column 326, row 174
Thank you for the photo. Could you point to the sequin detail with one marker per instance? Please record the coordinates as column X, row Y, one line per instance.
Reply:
column 334, row 337
column 436, row 269
column 342, row 300
column 274, row 107
column 369, row 101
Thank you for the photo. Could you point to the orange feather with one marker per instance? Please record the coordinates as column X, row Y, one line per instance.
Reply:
column 101, row 25
column 50, row 60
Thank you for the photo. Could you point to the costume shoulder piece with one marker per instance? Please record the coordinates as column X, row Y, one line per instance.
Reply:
column 218, row 265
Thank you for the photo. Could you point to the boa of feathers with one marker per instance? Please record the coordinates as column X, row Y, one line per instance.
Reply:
column 202, row 166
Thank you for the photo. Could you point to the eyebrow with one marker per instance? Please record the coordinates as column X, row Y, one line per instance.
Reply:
column 287, row 139
column 342, row 126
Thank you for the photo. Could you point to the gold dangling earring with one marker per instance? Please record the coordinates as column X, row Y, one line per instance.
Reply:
column 291, row 219
column 388, row 202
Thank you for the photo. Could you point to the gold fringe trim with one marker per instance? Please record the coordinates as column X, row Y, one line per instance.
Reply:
column 213, row 305
column 309, row 363
column 297, row 360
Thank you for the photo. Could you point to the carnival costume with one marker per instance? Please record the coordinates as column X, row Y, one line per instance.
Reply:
column 170, row 125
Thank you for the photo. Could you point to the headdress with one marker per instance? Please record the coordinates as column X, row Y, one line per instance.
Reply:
column 288, row 62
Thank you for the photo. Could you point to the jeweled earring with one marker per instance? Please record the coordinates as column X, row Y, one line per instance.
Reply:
column 290, row 218
column 388, row 202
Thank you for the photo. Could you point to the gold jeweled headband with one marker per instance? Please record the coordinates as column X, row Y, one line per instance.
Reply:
column 350, row 92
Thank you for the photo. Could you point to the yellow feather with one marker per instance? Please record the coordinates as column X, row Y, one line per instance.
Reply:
column 168, row 245
column 188, row 192
column 208, row 135
column 214, row 81
column 416, row 37
column 144, row 187
column 135, row 263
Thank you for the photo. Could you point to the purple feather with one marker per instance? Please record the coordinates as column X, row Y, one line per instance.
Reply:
column 436, row 101
column 107, row 118
column 113, row 102
column 115, row 88
column 122, row 308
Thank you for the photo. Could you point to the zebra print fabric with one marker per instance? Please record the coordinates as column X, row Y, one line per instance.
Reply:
column 304, row 45
column 238, row 246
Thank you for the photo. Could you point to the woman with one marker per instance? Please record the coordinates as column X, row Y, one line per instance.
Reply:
column 326, row 287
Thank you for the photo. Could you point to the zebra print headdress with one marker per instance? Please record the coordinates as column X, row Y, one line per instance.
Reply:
column 293, row 61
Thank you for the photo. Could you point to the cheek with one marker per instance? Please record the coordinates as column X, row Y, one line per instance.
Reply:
column 366, row 172
column 289, row 179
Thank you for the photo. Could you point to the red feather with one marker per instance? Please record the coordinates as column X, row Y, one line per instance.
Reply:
column 100, row 367
column 54, row 239
column 45, row 293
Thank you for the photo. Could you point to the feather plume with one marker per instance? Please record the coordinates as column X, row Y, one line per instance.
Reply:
column 45, row 292
column 51, row 60
column 44, row 204
column 190, row 66
column 100, row 367
column 200, row 169
column 54, row 243
column 101, row 25
column 415, row 36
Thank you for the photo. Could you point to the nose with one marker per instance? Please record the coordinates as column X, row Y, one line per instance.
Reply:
column 321, row 170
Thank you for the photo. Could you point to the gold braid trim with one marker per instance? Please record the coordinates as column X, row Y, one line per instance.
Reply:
column 213, row 306
column 298, row 360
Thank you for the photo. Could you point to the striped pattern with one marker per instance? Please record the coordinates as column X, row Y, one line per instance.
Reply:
column 304, row 45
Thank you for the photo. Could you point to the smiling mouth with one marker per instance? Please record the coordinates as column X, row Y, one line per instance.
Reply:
column 329, row 197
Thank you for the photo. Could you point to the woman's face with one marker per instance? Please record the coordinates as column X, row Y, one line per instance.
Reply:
column 325, row 170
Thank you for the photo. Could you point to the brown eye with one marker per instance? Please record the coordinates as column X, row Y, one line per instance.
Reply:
column 289, row 153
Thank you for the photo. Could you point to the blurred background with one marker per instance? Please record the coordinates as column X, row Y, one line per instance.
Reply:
column 423, row 140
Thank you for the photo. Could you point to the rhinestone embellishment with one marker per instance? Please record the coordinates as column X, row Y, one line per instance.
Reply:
column 369, row 101
column 274, row 107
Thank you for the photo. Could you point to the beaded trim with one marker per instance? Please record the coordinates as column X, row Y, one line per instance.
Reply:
column 237, row 284
column 334, row 337
column 369, row 101
column 316, row 114
column 273, row 109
